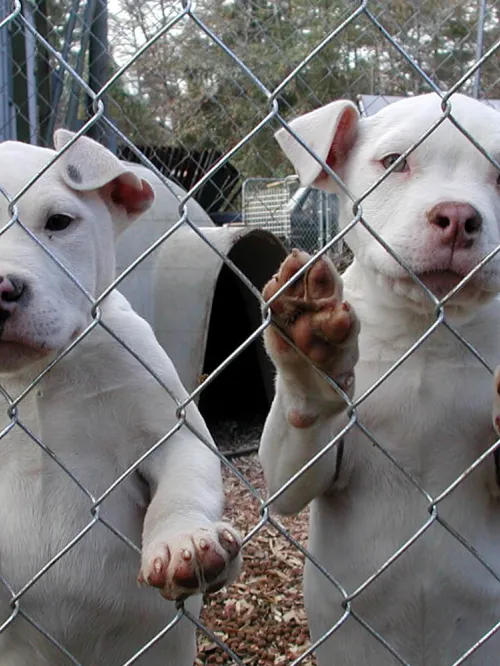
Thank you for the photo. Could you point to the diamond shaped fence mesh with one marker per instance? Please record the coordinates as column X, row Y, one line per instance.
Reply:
column 194, row 91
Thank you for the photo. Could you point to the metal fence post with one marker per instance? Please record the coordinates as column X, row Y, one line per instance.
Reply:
column 479, row 46
column 99, row 69
column 7, row 112
column 31, row 83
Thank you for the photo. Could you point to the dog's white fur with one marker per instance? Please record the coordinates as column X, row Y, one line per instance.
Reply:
column 433, row 414
column 97, row 412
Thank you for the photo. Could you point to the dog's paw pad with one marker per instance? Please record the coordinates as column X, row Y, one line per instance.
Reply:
column 320, row 281
column 310, row 309
column 186, row 573
column 195, row 562
column 310, row 322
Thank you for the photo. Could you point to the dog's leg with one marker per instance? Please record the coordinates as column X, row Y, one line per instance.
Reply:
column 186, row 550
column 325, row 329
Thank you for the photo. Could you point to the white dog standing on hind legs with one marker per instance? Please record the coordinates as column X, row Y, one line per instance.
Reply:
column 98, row 410
column 439, row 210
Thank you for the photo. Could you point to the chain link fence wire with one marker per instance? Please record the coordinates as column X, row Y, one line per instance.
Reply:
column 302, row 217
column 195, row 91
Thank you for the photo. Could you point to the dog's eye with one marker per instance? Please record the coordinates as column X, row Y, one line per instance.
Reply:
column 389, row 160
column 58, row 222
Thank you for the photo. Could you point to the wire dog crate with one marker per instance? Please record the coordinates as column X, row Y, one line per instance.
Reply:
column 302, row 217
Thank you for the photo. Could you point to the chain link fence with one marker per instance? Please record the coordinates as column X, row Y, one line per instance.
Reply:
column 208, row 83
column 303, row 217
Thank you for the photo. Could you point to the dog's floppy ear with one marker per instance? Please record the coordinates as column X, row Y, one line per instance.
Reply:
column 330, row 132
column 87, row 165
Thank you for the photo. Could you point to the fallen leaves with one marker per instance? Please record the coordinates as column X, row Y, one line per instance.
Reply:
column 261, row 617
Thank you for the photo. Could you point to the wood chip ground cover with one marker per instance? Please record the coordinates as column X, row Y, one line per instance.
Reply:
column 261, row 617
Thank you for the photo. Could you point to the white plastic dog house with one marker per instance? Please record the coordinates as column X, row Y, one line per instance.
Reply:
column 199, row 310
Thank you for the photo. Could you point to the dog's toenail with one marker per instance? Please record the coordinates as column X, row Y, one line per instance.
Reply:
column 186, row 555
column 157, row 565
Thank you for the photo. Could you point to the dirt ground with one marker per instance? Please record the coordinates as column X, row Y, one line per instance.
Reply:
column 261, row 617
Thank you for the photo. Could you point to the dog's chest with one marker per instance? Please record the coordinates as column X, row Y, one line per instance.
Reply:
column 425, row 398
column 434, row 418
column 426, row 425
column 47, row 501
column 423, row 428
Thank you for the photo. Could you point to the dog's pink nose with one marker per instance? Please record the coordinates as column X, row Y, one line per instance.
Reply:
column 11, row 290
column 458, row 223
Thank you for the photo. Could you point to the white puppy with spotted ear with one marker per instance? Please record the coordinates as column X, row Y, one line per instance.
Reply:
column 416, row 557
column 67, row 509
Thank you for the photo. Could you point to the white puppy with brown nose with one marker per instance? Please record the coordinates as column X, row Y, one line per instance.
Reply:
column 416, row 555
column 77, row 486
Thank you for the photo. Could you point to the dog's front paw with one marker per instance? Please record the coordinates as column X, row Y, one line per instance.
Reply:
column 313, row 315
column 196, row 561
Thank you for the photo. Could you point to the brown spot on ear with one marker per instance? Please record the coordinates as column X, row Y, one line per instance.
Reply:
column 299, row 420
column 74, row 173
